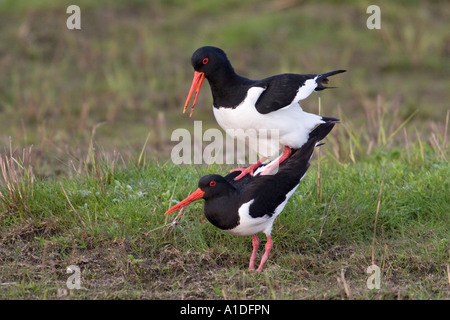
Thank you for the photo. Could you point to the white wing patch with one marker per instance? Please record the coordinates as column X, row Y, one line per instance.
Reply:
column 305, row 90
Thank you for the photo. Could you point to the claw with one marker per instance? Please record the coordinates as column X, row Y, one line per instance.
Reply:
column 249, row 170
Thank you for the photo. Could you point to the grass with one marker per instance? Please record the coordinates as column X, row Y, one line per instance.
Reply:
column 86, row 118
column 114, row 232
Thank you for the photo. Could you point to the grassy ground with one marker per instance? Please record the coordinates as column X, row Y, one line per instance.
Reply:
column 81, row 185
column 113, row 230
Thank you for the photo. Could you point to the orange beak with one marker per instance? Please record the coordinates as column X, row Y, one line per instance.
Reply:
column 194, row 196
column 195, row 86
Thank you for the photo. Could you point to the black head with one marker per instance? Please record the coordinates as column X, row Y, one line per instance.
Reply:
column 214, row 185
column 211, row 63
column 210, row 186
column 210, row 60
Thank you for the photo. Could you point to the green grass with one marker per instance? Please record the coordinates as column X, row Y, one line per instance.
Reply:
column 120, row 238
column 85, row 124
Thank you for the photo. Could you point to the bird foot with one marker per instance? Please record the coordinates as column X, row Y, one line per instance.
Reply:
column 268, row 170
column 249, row 170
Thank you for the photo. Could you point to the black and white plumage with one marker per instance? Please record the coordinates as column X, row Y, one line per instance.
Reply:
column 251, row 204
column 244, row 108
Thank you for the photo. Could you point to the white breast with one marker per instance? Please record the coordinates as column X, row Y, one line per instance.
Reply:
column 267, row 133
column 249, row 225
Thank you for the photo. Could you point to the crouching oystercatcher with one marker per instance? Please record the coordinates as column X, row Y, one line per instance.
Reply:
column 250, row 205
column 246, row 108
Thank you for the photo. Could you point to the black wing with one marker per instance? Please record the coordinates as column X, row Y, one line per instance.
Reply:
column 261, row 188
column 280, row 91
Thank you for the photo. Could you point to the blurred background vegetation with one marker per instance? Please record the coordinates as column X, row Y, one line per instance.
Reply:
column 123, row 78
column 96, row 108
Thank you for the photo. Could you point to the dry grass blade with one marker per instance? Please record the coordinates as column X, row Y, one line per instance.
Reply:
column 89, row 157
column 141, row 155
column 375, row 223
column 393, row 134
column 71, row 205
column 435, row 143
column 448, row 274
column 347, row 290
column 326, row 216
column 174, row 223
column 16, row 187
column 171, row 225
column 446, row 129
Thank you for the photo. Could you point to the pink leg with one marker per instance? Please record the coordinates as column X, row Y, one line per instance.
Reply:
column 255, row 243
column 248, row 170
column 264, row 258
column 286, row 153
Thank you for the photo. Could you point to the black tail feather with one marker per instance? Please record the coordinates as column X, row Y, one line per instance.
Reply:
column 300, row 157
column 322, row 130
column 328, row 119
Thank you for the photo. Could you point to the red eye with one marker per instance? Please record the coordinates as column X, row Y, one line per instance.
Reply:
column 205, row 61
column 212, row 183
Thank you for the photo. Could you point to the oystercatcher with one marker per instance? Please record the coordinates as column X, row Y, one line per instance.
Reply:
column 250, row 205
column 244, row 108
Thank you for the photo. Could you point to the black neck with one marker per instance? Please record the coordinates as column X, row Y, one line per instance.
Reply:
column 228, row 88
